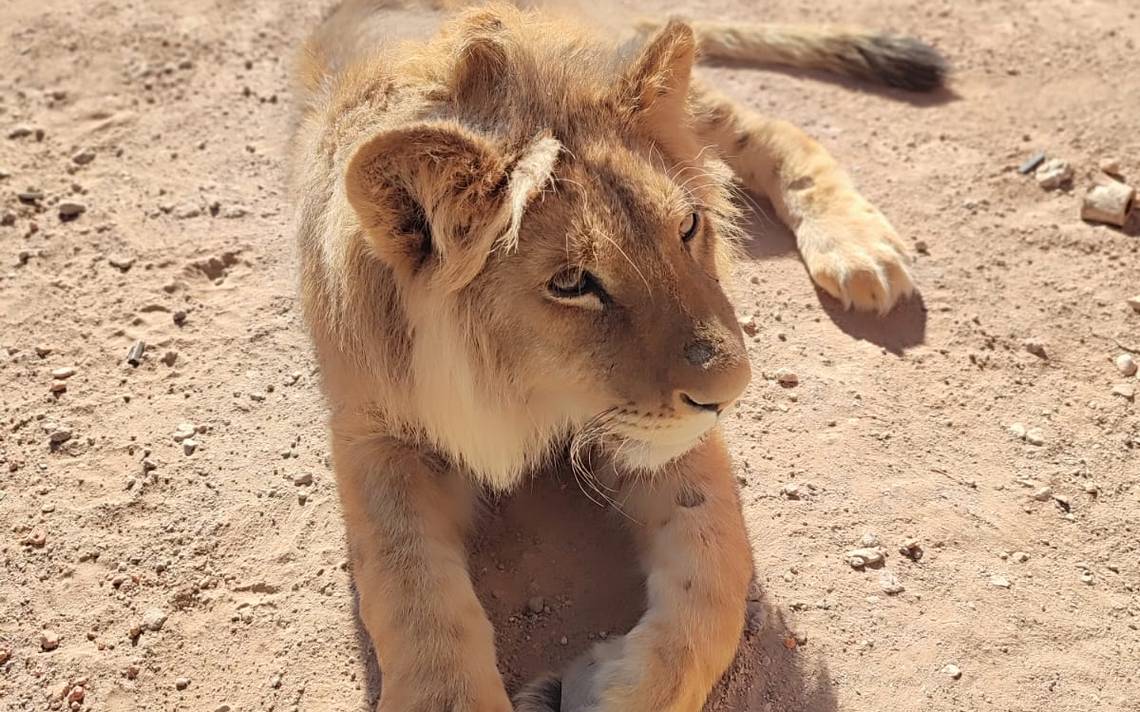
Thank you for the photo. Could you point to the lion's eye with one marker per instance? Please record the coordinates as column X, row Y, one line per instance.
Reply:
column 574, row 282
column 689, row 226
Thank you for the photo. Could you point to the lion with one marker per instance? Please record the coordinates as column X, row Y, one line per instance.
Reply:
column 514, row 235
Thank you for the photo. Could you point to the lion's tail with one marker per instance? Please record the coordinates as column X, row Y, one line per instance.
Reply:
column 894, row 60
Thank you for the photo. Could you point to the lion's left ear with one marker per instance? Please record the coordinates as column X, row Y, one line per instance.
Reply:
column 657, row 82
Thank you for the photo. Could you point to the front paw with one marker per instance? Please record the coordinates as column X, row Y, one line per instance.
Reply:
column 855, row 256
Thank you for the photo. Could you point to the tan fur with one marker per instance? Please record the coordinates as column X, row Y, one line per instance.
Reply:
column 445, row 189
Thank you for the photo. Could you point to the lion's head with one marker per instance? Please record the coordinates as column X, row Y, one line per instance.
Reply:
column 559, row 239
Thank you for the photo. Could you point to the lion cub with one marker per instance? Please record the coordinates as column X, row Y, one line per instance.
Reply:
column 512, row 239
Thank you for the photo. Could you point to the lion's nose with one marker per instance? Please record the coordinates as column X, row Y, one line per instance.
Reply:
column 714, row 375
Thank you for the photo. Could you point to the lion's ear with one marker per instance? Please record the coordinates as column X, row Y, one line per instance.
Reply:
column 657, row 81
column 438, row 197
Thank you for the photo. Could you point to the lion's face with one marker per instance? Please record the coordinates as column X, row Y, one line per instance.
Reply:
column 615, row 301
column 561, row 275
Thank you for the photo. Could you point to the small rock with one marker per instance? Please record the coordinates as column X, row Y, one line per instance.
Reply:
column 76, row 695
column 122, row 263
column 187, row 211
column 37, row 538
column 179, row 317
column 1063, row 502
column 786, row 377
column 1126, row 364
column 21, row 131
column 182, row 683
column 999, row 581
column 69, row 211
column 1111, row 166
column 1020, row 557
column 1134, row 302
column 1031, row 163
column 58, row 435
column 189, row 445
column 303, row 480
column 1035, row 347
column 1034, row 436
column 912, row 550
column 1044, row 494
column 869, row 540
column 1054, row 173
column 49, row 640
column 82, row 158
column 1108, row 202
column 791, row 491
column 1092, row 488
column 5, row 655
column 890, row 583
column 153, row 619
column 275, row 682
column 858, row 558
column 1087, row 578
column 952, row 671
column 170, row 357
column 135, row 353
column 1018, row 431
column 536, row 604
column 749, row 326
column 62, row 374
column 1125, row 390
column 183, row 431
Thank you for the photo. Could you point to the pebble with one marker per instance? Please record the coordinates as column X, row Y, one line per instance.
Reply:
column 749, row 326
column 890, row 583
column 1108, row 202
column 1018, row 431
column 182, row 683
column 76, row 695
column 1134, row 302
column 858, row 558
column 1124, row 390
column 69, row 211
column 791, row 491
column 1092, row 488
column 153, row 619
column 83, row 157
column 187, row 211
column 62, row 374
column 1044, row 494
column 179, row 317
column 184, row 431
column 58, row 387
column 170, row 357
column 304, row 479
column 786, row 377
column 1126, row 364
column 1031, row 163
column 869, row 540
column 1035, row 347
column 1034, row 436
column 1110, row 166
column 536, row 604
column 58, row 435
column 1054, row 173
column 1087, row 578
column 999, row 581
column 911, row 549
column 953, row 671
column 1020, row 557
column 189, row 445
column 49, row 640
column 37, row 538
column 6, row 655
column 121, row 262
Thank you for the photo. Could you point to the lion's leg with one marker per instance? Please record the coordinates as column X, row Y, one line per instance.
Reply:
column 406, row 517
column 849, row 248
column 698, row 563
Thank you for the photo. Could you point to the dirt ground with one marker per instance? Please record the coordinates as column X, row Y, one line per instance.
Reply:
column 137, row 577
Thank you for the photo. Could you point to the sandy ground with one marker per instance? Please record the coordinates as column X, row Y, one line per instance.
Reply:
column 137, row 577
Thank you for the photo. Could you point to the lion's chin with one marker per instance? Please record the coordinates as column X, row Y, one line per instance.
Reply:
column 644, row 456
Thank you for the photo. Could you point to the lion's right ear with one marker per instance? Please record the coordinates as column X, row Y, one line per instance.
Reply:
column 438, row 197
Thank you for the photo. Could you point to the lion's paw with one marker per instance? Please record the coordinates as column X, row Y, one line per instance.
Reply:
column 856, row 257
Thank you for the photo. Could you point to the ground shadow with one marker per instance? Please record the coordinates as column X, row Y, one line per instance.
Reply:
column 938, row 97
column 905, row 327
column 549, row 541
column 372, row 677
